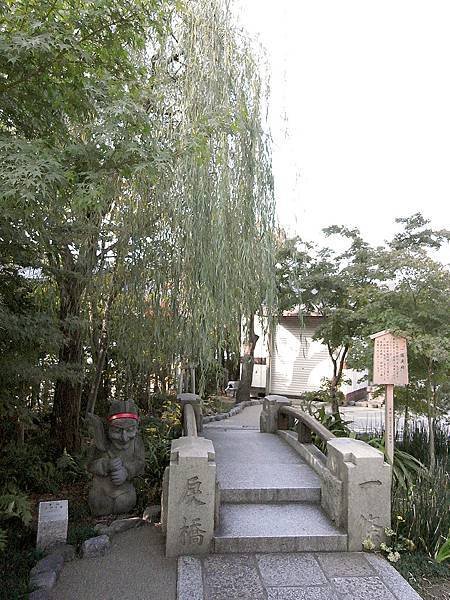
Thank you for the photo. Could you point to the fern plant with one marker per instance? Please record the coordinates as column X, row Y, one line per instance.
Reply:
column 13, row 504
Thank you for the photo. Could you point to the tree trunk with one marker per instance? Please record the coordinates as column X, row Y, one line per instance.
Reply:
column 243, row 393
column 67, row 397
column 338, row 368
column 334, row 400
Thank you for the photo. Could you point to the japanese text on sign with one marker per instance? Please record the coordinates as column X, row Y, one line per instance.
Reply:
column 390, row 360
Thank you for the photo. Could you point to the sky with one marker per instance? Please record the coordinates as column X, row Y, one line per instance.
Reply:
column 360, row 111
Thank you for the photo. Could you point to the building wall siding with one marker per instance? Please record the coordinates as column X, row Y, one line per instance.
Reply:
column 298, row 362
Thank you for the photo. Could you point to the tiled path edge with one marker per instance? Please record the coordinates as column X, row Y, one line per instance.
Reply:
column 294, row 576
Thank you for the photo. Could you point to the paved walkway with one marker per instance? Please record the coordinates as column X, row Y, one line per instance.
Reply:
column 135, row 569
column 249, row 464
column 291, row 576
column 247, row 419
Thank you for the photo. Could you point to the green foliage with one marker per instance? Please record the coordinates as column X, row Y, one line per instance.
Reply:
column 396, row 545
column 334, row 285
column 77, row 534
column 157, row 434
column 421, row 571
column 423, row 509
column 13, row 505
column 444, row 551
column 3, row 538
column 17, row 560
column 324, row 394
column 415, row 440
column 215, row 405
column 361, row 290
column 405, row 469
column 134, row 152
column 71, row 469
column 334, row 424
column 29, row 468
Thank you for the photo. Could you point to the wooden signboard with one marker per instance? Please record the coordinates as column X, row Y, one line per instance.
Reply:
column 390, row 367
column 390, row 359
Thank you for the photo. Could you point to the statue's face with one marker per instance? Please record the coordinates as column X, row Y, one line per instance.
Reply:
column 122, row 432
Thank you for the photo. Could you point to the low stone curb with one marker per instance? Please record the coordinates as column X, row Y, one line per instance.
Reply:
column 234, row 411
column 118, row 526
column 45, row 573
column 96, row 546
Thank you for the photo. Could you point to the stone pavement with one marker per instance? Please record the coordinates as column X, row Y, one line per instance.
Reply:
column 247, row 419
column 294, row 576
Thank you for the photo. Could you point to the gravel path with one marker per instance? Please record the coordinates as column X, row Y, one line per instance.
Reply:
column 135, row 569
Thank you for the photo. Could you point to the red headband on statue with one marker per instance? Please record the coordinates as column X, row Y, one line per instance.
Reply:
column 124, row 415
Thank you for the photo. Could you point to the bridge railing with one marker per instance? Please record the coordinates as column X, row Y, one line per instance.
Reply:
column 355, row 479
column 190, row 493
column 306, row 424
column 189, row 422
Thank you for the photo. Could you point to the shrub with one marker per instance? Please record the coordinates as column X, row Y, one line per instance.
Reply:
column 71, row 469
column 28, row 468
column 77, row 534
column 406, row 467
column 157, row 434
column 444, row 551
column 334, row 424
column 415, row 440
column 423, row 509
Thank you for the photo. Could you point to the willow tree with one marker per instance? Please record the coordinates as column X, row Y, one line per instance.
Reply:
column 222, row 184
column 202, row 255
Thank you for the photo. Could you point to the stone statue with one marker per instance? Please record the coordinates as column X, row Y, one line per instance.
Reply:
column 117, row 457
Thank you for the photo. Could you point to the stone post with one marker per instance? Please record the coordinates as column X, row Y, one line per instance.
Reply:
column 189, row 521
column 196, row 403
column 268, row 421
column 365, row 505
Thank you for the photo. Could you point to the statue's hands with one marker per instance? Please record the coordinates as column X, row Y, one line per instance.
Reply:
column 119, row 476
column 115, row 464
column 118, row 471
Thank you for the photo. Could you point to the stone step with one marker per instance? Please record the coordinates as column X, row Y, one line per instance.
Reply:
column 263, row 483
column 269, row 495
column 283, row 527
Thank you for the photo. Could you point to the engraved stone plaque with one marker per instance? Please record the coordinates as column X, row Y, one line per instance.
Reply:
column 191, row 497
column 52, row 523
column 390, row 359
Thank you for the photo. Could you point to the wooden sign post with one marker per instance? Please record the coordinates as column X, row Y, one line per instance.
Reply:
column 390, row 367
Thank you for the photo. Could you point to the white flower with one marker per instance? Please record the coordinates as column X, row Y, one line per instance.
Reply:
column 389, row 532
column 393, row 557
column 368, row 544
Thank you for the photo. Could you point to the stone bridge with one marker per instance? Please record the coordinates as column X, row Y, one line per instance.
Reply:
column 237, row 489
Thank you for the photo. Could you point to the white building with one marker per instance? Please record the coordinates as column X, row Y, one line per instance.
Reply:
column 290, row 362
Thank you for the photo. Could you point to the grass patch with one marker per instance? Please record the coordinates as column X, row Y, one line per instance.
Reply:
column 18, row 558
column 429, row 578
column 77, row 534
column 216, row 405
